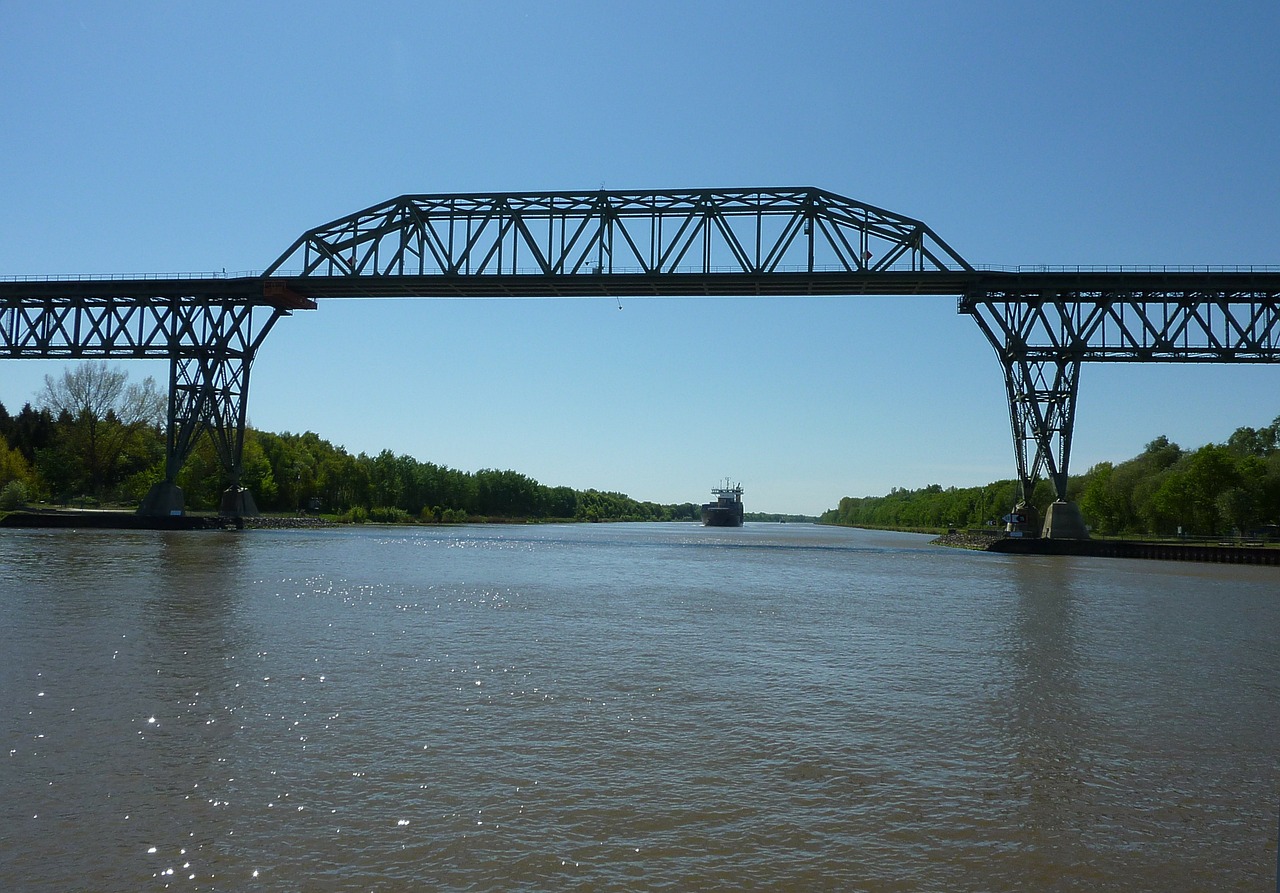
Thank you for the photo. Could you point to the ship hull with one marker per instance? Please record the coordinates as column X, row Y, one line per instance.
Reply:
column 717, row 516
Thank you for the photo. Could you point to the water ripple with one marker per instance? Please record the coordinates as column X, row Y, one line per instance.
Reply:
column 640, row 707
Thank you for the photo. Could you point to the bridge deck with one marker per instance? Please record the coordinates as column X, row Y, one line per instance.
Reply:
column 959, row 283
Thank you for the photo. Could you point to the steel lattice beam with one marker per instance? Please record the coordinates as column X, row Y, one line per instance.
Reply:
column 126, row 327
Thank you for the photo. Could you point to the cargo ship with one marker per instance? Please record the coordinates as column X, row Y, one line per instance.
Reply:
column 726, row 511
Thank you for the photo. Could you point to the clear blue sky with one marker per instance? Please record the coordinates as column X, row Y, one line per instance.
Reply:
column 183, row 137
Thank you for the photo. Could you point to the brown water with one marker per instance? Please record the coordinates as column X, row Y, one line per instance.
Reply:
column 628, row 707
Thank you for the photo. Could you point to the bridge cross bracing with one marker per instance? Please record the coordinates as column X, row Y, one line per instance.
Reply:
column 1042, row 324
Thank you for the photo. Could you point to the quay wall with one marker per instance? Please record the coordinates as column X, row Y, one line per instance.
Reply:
column 1221, row 553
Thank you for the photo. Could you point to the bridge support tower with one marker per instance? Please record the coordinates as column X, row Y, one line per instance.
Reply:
column 1043, row 325
column 208, row 392
column 208, row 329
column 1042, row 403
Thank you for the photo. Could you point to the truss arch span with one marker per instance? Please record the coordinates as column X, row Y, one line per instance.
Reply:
column 646, row 233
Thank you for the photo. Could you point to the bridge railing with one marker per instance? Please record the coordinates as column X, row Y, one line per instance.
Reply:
column 687, row 269
column 282, row 273
column 132, row 277
column 1129, row 268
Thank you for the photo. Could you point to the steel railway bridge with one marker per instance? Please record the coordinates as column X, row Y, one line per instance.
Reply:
column 1043, row 325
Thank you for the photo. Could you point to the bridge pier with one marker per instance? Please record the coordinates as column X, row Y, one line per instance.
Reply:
column 1041, row 385
column 163, row 500
column 1064, row 521
column 1024, row 521
column 209, row 328
column 237, row 502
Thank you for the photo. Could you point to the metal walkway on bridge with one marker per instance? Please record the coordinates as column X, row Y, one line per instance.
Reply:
column 1043, row 324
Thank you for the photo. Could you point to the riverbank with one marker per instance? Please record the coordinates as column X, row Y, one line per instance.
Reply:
column 95, row 519
column 1216, row 553
column 124, row 519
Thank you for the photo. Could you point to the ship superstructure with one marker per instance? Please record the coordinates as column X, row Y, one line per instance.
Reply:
column 726, row 511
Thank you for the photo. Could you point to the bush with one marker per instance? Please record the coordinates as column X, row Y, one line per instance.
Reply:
column 440, row 515
column 13, row 496
column 389, row 515
column 357, row 514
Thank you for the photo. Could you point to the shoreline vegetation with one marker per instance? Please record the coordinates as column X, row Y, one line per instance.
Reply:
column 1225, row 490
column 95, row 441
column 42, row 462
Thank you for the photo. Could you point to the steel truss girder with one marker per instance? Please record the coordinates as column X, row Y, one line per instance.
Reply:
column 1041, row 340
column 665, row 232
column 111, row 327
column 1180, row 327
column 210, row 344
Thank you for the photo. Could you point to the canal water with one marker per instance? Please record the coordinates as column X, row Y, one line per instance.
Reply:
column 628, row 707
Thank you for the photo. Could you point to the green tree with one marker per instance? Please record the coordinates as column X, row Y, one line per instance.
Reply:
column 1210, row 473
column 1255, row 441
column 31, row 430
column 13, row 496
column 506, row 494
column 385, row 484
column 103, row 417
column 562, row 502
column 1239, row 508
column 14, row 467
column 256, row 472
column 1100, row 500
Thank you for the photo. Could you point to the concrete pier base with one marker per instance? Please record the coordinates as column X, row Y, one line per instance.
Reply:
column 163, row 500
column 1064, row 521
column 1029, row 524
column 237, row 502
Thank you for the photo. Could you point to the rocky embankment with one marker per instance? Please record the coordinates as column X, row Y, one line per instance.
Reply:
column 294, row 523
column 978, row 540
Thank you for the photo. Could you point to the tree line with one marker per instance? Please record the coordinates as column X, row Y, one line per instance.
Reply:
column 94, row 439
column 1215, row 490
